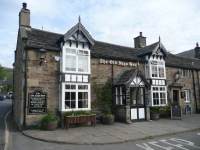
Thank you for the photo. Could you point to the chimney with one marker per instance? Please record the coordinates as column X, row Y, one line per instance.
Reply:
column 24, row 16
column 140, row 41
column 197, row 51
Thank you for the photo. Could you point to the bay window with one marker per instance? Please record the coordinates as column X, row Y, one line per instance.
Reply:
column 76, row 60
column 76, row 96
column 157, row 69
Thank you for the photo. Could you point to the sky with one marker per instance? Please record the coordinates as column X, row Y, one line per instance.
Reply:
column 177, row 22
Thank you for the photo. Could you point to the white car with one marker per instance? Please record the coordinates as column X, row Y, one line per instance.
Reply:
column 9, row 95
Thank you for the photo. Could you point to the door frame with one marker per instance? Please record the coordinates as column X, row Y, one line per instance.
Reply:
column 138, row 107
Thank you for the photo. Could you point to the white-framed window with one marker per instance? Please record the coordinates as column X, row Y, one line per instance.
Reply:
column 76, row 60
column 187, row 95
column 159, row 96
column 120, row 95
column 185, row 73
column 157, row 69
column 76, row 96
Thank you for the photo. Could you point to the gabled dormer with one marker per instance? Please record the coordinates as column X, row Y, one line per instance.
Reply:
column 76, row 45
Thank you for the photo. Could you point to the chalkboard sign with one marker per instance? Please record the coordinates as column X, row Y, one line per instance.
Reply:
column 176, row 112
column 188, row 109
column 37, row 102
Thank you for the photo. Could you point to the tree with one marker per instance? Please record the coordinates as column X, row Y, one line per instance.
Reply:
column 2, row 73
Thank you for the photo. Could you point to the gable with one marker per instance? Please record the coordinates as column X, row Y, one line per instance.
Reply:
column 78, row 33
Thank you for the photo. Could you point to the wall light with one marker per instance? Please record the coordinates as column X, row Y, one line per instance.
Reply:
column 57, row 58
column 42, row 55
column 177, row 75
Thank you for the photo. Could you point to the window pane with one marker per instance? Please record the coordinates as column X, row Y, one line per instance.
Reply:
column 82, row 99
column 154, row 71
column 83, row 63
column 161, row 72
column 155, row 99
column 70, row 63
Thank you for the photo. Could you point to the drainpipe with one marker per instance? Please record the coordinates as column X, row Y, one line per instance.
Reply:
column 198, row 86
column 194, row 89
column 112, row 69
column 25, row 81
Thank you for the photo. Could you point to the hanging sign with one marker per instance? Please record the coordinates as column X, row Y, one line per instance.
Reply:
column 37, row 102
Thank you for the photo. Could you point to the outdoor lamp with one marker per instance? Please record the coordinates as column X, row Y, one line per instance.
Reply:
column 42, row 55
column 177, row 75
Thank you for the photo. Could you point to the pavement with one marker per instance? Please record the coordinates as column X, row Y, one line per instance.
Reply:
column 117, row 133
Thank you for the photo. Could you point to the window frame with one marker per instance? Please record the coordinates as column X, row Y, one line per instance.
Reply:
column 159, row 92
column 187, row 96
column 156, row 64
column 77, row 55
column 185, row 73
column 76, row 90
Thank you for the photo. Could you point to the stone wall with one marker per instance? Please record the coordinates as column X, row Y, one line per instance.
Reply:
column 19, row 83
column 187, row 85
column 45, row 78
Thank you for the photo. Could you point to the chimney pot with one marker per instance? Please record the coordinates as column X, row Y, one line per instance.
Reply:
column 197, row 44
column 140, row 33
column 24, row 5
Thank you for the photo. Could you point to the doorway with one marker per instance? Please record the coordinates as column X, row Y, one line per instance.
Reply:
column 137, row 104
column 176, row 97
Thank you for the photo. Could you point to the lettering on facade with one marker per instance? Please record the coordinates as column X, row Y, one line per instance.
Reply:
column 37, row 102
column 116, row 62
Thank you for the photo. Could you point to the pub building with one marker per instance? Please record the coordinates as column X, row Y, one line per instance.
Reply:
column 56, row 72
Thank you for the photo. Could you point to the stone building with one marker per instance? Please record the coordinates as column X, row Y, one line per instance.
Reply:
column 56, row 72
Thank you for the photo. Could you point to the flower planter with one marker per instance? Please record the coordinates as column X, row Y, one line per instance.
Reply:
column 154, row 116
column 164, row 112
column 109, row 120
column 50, row 126
column 80, row 119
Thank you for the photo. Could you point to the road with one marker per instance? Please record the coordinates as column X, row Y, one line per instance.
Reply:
column 5, row 107
column 17, row 141
column 183, row 141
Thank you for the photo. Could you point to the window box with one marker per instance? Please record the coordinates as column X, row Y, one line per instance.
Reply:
column 80, row 119
column 164, row 112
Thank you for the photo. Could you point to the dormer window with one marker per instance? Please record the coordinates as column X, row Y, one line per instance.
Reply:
column 77, row 60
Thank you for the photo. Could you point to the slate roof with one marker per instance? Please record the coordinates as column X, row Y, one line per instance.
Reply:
column 42, row 38
column 182, row 62
column 111, row 51
column 149, row 49
column 125, row 77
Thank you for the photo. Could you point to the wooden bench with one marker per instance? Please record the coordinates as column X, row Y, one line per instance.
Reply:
column 80, row 119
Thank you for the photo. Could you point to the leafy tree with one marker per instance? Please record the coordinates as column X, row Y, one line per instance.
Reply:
column 2, row 72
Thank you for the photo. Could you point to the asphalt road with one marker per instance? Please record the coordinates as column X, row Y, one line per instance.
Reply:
column 185, row 141
column 5, row 107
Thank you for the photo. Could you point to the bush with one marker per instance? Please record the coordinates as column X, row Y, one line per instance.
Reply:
column 50, row 118
column 77, row 113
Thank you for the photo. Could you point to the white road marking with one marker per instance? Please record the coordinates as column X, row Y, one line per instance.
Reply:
column 6, row 132
column 198, row 133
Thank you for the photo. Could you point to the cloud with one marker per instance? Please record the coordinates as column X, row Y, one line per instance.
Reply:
column 112, row 21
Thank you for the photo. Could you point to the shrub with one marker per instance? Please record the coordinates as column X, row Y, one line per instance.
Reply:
column 77, row 113
column 50, row 118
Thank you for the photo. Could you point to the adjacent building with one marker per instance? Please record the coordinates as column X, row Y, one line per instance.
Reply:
column 56, row 72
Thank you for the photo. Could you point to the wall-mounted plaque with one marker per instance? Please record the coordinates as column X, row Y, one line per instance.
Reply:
column 37, row 102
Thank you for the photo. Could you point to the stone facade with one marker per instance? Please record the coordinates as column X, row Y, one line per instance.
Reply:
column 187, row 85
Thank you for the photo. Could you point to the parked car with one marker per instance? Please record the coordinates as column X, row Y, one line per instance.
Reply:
column 9, row 95
column 1, row 97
